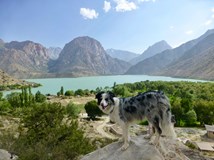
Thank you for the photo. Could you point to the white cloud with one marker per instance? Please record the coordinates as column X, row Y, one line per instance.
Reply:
column 124, row 5
column 107, row 6
column 189, row 32
column 88, row 13
column 171, row 28
column 207, row 23
column 212, row 10
column 146, row 1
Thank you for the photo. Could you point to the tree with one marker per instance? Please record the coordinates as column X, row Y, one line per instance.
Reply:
column 92, row 110
column 190, row 118
column 40, row 97
column 69, row 93
column 62, row 91
column 50, row 136
column 1, row 95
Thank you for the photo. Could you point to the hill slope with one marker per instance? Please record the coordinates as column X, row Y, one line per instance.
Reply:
column 23, row 59
column 151, row 51
column 86, row 56
column 122, row 55
column 158, row 64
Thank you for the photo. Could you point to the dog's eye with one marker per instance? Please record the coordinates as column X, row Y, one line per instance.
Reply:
column 106, row 99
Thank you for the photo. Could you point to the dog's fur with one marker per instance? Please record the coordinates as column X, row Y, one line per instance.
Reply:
column 153, row 105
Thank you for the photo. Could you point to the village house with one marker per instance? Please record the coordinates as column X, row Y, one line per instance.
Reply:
column 210, row 131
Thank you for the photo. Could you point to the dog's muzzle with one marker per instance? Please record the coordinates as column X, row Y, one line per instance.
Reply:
column 104, row 106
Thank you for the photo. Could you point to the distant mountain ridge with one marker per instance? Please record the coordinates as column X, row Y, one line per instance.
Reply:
column 151, row 51
column 85, row 56
column 23, row 59
column 121, row 54
column 53, row 52
column 161, row 63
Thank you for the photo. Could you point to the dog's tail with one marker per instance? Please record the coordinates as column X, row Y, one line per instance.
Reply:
column 167, row 123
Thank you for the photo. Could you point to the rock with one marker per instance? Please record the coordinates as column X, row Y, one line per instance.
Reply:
column 5, row 155
column 139, row 149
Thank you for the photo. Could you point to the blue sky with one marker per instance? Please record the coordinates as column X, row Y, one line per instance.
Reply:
column 131, row 25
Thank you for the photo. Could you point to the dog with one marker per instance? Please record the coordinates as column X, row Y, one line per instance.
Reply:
column 152, row 105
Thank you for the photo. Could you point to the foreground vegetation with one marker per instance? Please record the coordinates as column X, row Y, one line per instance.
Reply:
column 46, row 130
column 50, row 131
column 192, row 103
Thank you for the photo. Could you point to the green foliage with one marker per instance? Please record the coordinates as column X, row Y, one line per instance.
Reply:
column 23, row 99
column 186, row 98
column 73, row 110
column 93, row 110
column 79, row 92
column 205, row 111
column 62, row 91
column 69, row 93
column 40, row 97
column 122, row 91
column 1, row 96
column 50, row 135
column 190, row 118
column 5, row 107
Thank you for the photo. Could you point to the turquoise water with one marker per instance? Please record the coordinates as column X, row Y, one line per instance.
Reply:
column 53, row 85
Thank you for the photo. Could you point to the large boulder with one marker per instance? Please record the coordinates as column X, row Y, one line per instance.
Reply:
column 5, row 155
column 140, row 149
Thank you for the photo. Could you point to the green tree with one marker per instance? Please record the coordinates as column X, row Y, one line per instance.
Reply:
column 93, row 110
column 40, row 97
column 69, row 93
column 1, row 96
column 79, row 92
column 50, row 136
column 62, row 90
column 190, row 118
column 72, row 110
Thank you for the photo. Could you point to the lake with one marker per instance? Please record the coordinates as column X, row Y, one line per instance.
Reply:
column 53, row 85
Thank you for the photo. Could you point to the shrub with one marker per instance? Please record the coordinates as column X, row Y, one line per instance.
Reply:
column 47, row 137
column 72, row 110
column 69, row 93
column 92, row 110
column 40, row 97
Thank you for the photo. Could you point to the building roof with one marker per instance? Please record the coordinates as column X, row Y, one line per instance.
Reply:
column 205, row 146
column 209, row 128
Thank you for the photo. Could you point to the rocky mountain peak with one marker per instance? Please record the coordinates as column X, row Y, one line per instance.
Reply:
column 29, row 48
column 151, row 51
column 85, row 55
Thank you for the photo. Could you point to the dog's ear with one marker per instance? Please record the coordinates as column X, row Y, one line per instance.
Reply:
column 99, row 95
column 111, row 94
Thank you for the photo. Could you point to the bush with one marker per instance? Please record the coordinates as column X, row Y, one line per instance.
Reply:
column 92, row 110
column 72, row 110
column 49, row 136
column 69, row 93
column 40, row 97
column 190, row 118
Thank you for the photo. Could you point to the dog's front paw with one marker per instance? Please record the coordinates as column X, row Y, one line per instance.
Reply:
column 124, row 147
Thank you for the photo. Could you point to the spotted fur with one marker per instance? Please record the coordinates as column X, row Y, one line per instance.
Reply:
column 152, row 105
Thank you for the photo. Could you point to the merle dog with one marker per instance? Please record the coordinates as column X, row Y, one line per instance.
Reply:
column 152, row 105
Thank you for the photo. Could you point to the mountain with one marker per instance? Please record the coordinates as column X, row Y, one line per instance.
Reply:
column 122, row 55
column 53, row 52
column 157, row 64
column 151, row 51
column 196, row 62
column 86, row 56
column 7, row 80
column 23, row 59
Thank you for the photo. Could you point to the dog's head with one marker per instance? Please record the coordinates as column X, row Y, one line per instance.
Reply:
column 105, row 101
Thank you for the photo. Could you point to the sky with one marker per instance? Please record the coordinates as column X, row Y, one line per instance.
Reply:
column 131, row 25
